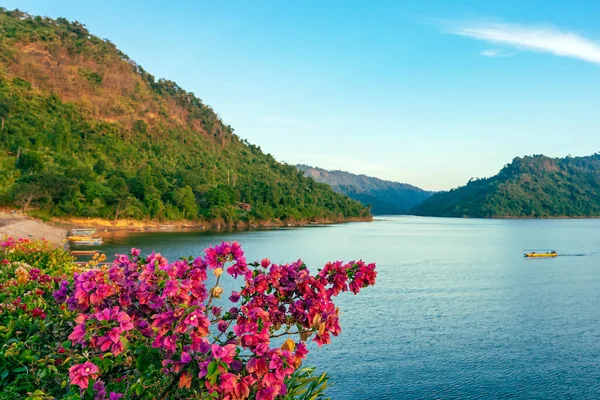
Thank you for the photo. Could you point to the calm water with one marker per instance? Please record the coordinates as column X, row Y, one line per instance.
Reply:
column 457, row 311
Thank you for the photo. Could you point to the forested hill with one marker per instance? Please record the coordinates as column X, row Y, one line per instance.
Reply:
column 385, row 197
column 536, row 186
column 88, row 132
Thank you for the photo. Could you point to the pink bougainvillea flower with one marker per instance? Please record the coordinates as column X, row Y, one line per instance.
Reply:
column 81, row 373
column 125, row 323
column 222, row 326
column 224, row 353
column 78, row 333
column 235, row 297
column 228, row 382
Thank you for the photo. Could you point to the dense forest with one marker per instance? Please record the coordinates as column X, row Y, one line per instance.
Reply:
column 85, row 131
column 384, row 197
column 533, row 186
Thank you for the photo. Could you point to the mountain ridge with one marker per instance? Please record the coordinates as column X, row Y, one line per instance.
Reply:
column 385, row 197
column 529, row 187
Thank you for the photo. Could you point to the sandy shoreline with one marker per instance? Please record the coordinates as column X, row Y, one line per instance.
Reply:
column 20, row 226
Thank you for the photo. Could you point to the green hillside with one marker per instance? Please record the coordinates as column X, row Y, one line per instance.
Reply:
column 384, row 197
column 533, row 186
column 85, row 131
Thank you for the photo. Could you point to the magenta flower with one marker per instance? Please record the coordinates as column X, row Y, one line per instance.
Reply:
column 235, row 297
column 100, row 390
column 222, row 326
column 125, row 323
column 224, row 353
column 81, row 373
column 78, row 333
column 265, row 262
column 170, row 343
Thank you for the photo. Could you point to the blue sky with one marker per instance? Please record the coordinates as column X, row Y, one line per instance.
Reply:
column 425, row 92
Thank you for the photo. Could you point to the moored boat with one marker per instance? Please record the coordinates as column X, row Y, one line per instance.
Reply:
column 82, row 232
column 88, row 242
column 85, row 252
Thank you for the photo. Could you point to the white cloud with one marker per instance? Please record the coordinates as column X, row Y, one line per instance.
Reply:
column 489, row 53
column 496, row 53
column 533, row 38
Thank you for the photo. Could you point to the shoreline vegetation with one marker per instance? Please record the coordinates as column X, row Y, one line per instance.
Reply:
column 152, row 225
column 55, row 230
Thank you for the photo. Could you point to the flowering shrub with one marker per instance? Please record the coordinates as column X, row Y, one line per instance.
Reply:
column 147, row 328
column 37, row 253
column 32, row 324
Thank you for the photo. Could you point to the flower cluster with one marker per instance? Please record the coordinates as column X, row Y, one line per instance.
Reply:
column 144, row 305
column 23, row 275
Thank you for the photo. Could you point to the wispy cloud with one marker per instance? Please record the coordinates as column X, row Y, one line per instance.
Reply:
column 496, row 53
column 533, row 38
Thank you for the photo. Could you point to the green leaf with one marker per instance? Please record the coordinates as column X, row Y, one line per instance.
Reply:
column 212, row 369
column 138, row 389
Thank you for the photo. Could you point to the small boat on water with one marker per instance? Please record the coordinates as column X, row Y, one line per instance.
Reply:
column 84, row 237
column 96, row 241
column 85, row 252
column 80, row 237
column 82, row 232
column 533, row 254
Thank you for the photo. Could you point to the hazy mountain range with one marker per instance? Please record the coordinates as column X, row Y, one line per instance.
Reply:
column 384, row 197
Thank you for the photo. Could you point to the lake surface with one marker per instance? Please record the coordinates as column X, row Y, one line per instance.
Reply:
column 457, row 311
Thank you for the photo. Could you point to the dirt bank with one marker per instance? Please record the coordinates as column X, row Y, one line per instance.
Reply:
column 19, row 226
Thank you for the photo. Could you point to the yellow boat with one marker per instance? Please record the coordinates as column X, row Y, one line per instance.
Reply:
column 533, row 254
column 76, row 238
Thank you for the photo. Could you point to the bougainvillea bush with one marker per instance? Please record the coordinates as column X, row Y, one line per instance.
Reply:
column 146, row 328
column 32, row 323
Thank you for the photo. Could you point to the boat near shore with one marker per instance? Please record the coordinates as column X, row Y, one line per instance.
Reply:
column 83, row 232
column 84, row 237
column 534, row 254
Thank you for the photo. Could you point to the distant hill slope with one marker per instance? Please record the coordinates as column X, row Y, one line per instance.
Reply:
column 85, row 131
column 532, row 186
column 385, row 197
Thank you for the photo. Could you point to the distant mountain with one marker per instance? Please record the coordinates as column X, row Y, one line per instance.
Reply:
column 533, row 186
column 85, row 131
column 385, row 197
